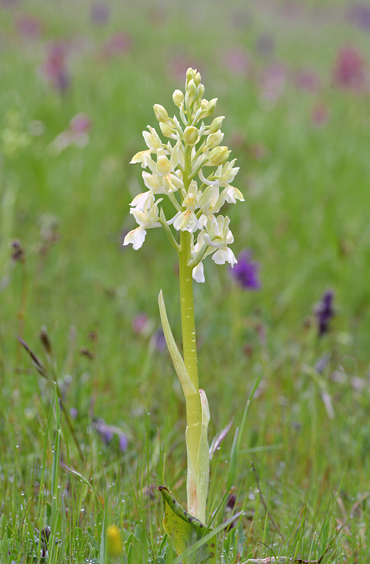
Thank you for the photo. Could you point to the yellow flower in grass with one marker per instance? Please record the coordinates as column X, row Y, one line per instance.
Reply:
column 114, row 541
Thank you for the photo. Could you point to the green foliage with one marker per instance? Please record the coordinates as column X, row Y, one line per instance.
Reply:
column 184, row 530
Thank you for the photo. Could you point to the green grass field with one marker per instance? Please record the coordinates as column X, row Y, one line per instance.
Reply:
column 296, row 102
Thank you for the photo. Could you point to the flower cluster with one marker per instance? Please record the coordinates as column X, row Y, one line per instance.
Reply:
column 192, row 170
column 324, row 312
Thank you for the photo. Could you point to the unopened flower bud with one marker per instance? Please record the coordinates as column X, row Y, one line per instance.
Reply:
column 163, row 165
column 211, row 106
column 191, row 135
column 190, row 73
column 167, row 130
column 192, row 89
column 214, row 139
column 216, row 124
column 204, row 105
column 201, row 90
column 218, row 156
column 160, row 113
column 197, row 78
column 178, row 98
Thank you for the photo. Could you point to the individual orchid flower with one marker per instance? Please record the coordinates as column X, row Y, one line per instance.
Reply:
column 152, row 139
column 142, row 157
column 211, row 201
column 219, row 236
column 187, row 220
column 153, row 182
column 140, row 201
column 226, row 173
column 232, row 194
column 147, row 218
column 172, row 183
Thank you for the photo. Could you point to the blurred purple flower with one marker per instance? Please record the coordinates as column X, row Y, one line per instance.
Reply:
column 236, row 61
column 265, row 45
column 54, row 69
column 359, row 15
column 307, row 79
column 107, row 432
column 324, row 312
column 349, row 71
column 322, row 363
column 28, row 26
column 231, row 501
column 118, row 44
column 230, row 507
column 104, row 431
column 273, row 81
column 123, row 442
column 245, row 272
column 73, row 412
column 159, row 340
column 99, row 13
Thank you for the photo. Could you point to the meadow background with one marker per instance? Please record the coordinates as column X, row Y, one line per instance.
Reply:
column 78, row 83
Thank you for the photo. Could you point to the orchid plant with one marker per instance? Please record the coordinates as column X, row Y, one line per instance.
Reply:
column 192, row 169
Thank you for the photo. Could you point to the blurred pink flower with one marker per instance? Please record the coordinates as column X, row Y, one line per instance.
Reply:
column 273, row 81
column 320, row 114
column 307, row 79
column 118, row 44
column 236, row 61
column 140, row 323
column 350, row 69
column 28, row 26
column 54, row 69
column 76, row 134
column 79, row 124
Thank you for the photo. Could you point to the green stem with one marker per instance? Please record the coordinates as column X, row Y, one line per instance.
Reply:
column 193, row 404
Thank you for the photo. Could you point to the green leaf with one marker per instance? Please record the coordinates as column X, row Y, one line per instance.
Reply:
column 177, row 359
column 198, row 474
column 184, row 530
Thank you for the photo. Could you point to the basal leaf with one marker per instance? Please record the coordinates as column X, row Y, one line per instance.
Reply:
column 184, row 530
